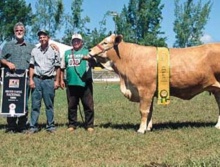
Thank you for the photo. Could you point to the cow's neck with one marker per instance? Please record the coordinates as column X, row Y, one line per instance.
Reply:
column 117, row 52
column 120, row 58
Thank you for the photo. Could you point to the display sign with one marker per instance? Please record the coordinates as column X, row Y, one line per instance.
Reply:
column 13, row 92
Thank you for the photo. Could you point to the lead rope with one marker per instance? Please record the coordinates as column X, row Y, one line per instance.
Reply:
column 78, row 105
column 80, row 111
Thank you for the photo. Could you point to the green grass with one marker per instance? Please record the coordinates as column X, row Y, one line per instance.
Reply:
column 183, row 135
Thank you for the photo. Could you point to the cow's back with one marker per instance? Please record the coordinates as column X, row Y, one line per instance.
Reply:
column 193, row 69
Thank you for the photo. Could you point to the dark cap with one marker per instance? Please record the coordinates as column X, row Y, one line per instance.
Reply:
column 45, row 32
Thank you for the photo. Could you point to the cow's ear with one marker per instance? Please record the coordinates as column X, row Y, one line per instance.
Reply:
column 118, row 39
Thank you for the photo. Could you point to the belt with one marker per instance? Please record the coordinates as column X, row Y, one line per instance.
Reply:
column 43, row 77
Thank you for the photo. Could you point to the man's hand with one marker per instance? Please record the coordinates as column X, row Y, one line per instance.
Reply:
column 55, row 47
column 62, row 84
column 87, row 57
column 56, row 85
column 11, row 66
column 31, row 84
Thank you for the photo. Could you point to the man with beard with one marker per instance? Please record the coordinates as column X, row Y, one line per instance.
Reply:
column 16, row 55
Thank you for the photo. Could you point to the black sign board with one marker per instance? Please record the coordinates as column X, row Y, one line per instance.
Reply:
column 13, row 92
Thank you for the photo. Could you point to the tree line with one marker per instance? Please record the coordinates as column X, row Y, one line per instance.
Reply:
column 139, row 21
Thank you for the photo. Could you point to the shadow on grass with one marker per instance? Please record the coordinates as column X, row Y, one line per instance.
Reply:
column 3, row 126
column 179, row 125
column 58, row 125
column 156, row 126
column 160, row 126
column 41, row 126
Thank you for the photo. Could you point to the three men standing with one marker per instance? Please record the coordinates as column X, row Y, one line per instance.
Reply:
column 44, row 64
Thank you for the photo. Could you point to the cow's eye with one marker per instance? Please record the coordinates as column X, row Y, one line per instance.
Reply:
column 105, row 43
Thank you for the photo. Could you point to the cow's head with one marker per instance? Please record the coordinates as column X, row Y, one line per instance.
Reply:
column 105, row 45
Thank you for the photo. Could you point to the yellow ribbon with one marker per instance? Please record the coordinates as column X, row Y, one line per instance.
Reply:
column 163, row 69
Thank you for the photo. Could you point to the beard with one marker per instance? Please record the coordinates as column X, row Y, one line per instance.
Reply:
column 19, row 37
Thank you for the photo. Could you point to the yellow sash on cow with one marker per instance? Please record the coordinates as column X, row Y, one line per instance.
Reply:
column 163, row 70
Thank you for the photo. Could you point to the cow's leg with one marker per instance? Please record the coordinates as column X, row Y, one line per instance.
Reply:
column 126, row 92
column 146, row 110
column 149, row 118
column 217, row 98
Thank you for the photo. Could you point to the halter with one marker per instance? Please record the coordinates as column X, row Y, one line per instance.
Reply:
column 101, row 48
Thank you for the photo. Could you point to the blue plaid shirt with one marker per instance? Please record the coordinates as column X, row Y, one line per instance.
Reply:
column 18, row 54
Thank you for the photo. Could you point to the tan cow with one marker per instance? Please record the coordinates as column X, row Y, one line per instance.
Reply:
column 192, row 71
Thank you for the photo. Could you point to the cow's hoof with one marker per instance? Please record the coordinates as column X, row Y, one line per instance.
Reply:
column 149, row 129
column 140, row 131
column 217, row 126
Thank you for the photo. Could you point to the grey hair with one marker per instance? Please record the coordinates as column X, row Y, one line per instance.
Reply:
column 19, row 24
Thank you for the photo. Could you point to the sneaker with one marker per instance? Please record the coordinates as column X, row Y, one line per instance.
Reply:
column 71, row 129
column 51, row 129
column 90, row 129
column 32, row 131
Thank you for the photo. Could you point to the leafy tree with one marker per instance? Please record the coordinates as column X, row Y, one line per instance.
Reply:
column 140, row 22
column 98, row 34
column 48, row 16
column 124, row 26
column 12, row 12
column 74, row 22
column 190, row 22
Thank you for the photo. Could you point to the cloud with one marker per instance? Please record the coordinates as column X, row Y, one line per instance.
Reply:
column 206, row 38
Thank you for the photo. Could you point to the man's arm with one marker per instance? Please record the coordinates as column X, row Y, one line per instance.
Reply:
column 7, row 63
column 57, row 79
column 31, row 76
column 5, row 55
column 92, row 60
column 62, row 83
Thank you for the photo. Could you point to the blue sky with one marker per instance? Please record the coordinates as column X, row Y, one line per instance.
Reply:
column 96, row 9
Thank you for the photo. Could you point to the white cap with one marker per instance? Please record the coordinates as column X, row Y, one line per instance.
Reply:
column 76, row 36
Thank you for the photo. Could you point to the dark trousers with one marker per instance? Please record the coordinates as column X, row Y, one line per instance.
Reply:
column 17, row 123
column 85, row 94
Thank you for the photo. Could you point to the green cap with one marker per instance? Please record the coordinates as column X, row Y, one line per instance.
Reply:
column 45, row 32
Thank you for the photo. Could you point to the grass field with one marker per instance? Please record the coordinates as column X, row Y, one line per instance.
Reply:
column 183, row 135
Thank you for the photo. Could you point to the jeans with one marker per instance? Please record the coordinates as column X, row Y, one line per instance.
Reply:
column 44, row 89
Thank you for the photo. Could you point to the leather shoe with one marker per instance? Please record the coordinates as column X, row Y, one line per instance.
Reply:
column 90, row 129
column 70, row 129
column 10, row 131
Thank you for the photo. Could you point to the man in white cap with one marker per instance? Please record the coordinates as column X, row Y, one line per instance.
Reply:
column 78, row 83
